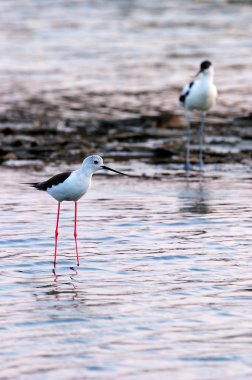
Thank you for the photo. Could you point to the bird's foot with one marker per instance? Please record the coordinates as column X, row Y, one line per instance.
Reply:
column 74, row 270
column 200, row 165
column 187, row 166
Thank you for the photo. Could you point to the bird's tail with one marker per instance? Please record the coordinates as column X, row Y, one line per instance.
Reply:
column 32, row 184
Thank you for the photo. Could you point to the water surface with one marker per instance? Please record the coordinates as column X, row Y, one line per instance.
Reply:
column 164, row 286
column 125, row 46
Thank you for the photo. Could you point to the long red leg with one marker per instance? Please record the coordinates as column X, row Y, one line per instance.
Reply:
column 75, row 232
column 56, row 238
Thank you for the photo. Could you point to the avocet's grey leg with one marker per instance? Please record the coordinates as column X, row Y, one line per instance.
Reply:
column 187, row 165
column 201, row 140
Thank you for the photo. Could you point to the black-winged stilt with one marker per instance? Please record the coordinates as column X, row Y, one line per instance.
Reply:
column 71, row 186
column 198, row 95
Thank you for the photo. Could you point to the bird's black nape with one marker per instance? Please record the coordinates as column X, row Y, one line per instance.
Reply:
column 205, row 65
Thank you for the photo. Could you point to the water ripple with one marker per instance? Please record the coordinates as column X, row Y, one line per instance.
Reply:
column 164, row 284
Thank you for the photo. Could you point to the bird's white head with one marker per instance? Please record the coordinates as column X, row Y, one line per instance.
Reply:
column 206, row 69
column 93, row 163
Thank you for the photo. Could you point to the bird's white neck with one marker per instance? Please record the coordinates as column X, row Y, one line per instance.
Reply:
column 207, row 75
column 86, row 171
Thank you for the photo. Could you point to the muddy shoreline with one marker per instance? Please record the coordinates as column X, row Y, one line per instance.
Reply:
column 122, row 126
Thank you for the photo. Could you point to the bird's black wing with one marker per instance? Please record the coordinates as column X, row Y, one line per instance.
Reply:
column 53, row 181
column 185, row 92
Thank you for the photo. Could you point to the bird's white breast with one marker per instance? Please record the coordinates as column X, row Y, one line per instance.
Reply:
column 202, row 96
column 72, row 189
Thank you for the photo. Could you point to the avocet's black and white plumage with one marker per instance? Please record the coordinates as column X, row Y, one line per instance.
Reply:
column 199, row 95
column 71, row 186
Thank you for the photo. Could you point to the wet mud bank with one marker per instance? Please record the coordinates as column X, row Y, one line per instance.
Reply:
column 118, row 125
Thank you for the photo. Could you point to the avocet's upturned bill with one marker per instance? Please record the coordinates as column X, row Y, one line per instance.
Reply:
column 71, row 186
column 199, row 95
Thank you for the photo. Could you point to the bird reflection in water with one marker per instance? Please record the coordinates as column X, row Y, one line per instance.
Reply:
column 194, row 197
column 65, row 290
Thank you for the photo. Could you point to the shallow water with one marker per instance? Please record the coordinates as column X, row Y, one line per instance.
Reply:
column 164, row 286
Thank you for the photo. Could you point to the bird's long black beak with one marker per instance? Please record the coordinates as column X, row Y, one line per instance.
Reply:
column 200, row 71
column 112, row 170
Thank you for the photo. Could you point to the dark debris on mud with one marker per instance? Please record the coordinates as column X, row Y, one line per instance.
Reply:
column 70, row 127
